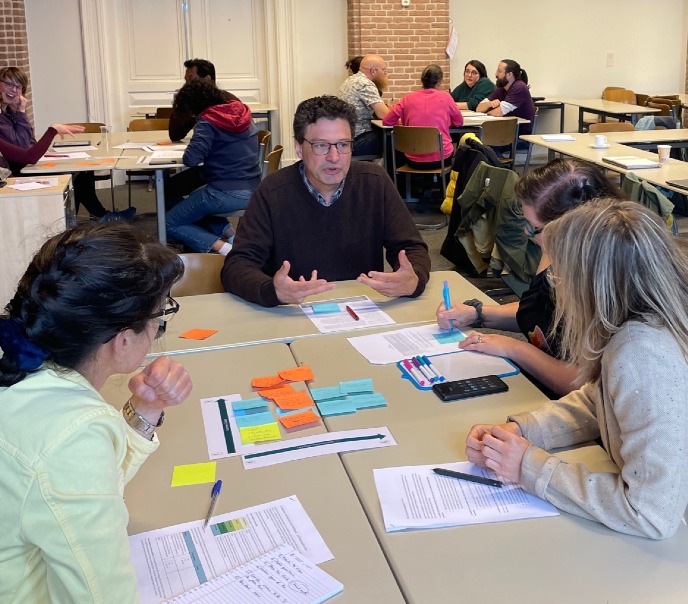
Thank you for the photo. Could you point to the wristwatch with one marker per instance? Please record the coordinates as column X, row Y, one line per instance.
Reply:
column 138, row 422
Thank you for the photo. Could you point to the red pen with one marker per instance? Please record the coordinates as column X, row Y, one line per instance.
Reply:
column 352, row 313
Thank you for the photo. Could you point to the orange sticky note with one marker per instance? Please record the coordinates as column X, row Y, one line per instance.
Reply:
column 279, row 391
column 297, row 374
column 298, row 400
column 48, row 164
column 197, row 334
column 267, row 381
column 298, row 419
column 162, row 143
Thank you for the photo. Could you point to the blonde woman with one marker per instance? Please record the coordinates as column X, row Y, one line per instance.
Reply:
column 621, row 285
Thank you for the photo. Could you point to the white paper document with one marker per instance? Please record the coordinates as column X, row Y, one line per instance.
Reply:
column 132, row 146
column 28, row 186
column 320, row 444
column 163, row 148
column 345, row 314
column 282, row 575
column 60, row 155
column 414, row 497
column 552, row 138
column 173, row 560
column 394, row 346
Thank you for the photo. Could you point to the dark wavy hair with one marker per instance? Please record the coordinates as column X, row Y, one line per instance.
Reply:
column 514, row 68
column 562, row 184
column 354, row 63
column 197, row 96
column 203, row 67
column 431, row 76
column 326, row 106
column 82, row 288
column 479, row 66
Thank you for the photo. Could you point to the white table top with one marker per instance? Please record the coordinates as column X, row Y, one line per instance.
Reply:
column 609, row 107
column 647, row 136
column 240, row 323
column 320, row 483
column 563, row 559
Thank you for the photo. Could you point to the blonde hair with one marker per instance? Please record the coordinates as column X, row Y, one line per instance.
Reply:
column 613, row 261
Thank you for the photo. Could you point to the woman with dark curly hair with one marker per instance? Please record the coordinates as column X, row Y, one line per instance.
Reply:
column 225, row 141
column 89, row 306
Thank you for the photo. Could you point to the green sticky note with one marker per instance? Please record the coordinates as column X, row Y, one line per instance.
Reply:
column 446, row 337
column 193, row 473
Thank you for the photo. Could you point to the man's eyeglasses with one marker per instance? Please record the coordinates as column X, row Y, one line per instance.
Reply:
column 531, row 231
column 322, row 148
column 470, row 73
column 11, row 85
column 164, row 315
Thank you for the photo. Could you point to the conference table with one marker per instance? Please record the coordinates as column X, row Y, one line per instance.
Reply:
column 320, row 483
column 563, row 559
column 241, row 323
column 582, row 148
column 605, row 109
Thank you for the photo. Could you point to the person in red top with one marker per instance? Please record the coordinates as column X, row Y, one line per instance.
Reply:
column 429, row 106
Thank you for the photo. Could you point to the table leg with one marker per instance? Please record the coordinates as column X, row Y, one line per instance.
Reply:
column 562, row 115
column 580, row 119
column 160, row 204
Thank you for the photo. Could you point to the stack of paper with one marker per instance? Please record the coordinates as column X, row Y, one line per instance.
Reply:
column 631, row 162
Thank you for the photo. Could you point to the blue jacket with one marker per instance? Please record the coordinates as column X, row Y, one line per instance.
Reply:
column 225, row 141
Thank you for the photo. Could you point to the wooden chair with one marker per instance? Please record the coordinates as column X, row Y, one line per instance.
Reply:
column 148, row 125
column 419, row 140
column 621, row 95
column 201, row 275
column 499, row 133
column 94, row 128
column 263, row 145
column 664, row 109
column 611, row 127
column 163, row 113
column 674, row 105
column 272, row 161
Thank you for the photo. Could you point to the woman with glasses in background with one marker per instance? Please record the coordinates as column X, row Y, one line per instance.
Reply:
column 476, row 86
column 89, row 306
column 545, row 193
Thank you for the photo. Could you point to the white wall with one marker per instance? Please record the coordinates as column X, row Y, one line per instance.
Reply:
column 56, row 62
column 563, row 45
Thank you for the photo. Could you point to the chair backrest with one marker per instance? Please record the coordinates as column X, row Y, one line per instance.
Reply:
column 263, row 144
column 500, row 132
column 272, row 161
column 621, row 96
column 416, row 140
column 163, row 112
column 611, row 127
column 201, row 275
column 150, row 124
column 675, row 104
column 664, row 109
column 89, row 127
column 641, row 99
column 608, row 88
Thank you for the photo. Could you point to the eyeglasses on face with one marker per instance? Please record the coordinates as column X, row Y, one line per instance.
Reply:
column 11, row 85
column 470, row 72
column 323, row 148
column 531, row 231
column 170, row 309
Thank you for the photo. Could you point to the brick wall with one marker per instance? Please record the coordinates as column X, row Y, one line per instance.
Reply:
column 409, row 39
column 14, row 44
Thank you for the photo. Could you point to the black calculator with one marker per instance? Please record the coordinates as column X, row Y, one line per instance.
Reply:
column 477, row 386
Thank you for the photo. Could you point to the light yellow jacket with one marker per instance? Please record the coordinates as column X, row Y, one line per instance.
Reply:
column 65, row 456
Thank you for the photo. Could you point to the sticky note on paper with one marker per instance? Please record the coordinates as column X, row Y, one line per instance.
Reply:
column 255, row 419
column 271, row 393
column 322, row 309
column 197, row 334
column 447, row 338
column 299, row 419
column 356, row 386
column 328, row 408
column 259, row 434
column 267, row 381
column 297, row 374
column 322, row 394
column 367, row 401
column 298, row 400
column 251, row 403
column 193, row 473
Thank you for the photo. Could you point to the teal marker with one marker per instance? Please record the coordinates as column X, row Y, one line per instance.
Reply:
column 447, row 302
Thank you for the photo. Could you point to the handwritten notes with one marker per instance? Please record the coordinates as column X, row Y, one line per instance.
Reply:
column 271, row 393
column 267, row 381
column 303, row 418
column 297, row 400
column 259, row 434
column 194, row 473
column 297, row 374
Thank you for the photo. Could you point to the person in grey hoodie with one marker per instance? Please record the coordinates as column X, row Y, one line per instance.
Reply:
column 225, row 141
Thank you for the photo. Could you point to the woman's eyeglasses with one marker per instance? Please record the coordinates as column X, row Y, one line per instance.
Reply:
column 170, row 309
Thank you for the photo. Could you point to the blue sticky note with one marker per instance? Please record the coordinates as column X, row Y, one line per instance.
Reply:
column 255, row 419
column 356, row 386
column 368, row 401
column 321, row 309
column 328, row 408
column 447, row 337
column 282, row 412
column 251, row 403
column 322, row 394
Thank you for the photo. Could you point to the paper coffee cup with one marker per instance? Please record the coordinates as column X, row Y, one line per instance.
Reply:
column 663, row 151
column 600, row 140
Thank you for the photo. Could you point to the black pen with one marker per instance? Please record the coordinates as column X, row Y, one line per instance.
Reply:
column 469, row 477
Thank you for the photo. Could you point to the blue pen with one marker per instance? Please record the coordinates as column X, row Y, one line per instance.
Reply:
column 447, row 302
column 214, row 494
column 429, row 365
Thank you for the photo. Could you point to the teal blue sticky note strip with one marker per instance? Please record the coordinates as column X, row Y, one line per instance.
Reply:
column 321, row 309
column 251, row 403
column 446, row 337
column 255, row 419
column 322, row 394
column 356, row 386
column 368, row 401
column 328, row 408
column 283, row 412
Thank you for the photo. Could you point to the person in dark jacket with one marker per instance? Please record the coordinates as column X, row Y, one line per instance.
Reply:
column 225, row 141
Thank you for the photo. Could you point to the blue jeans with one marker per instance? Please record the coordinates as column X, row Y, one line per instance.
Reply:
column 183, row 218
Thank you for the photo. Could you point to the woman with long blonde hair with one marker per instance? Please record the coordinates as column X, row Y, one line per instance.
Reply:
column 621, row 284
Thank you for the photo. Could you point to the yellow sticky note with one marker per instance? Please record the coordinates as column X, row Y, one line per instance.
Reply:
column 259, row 434
column 193, row 473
